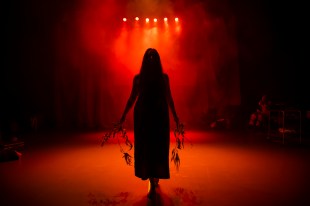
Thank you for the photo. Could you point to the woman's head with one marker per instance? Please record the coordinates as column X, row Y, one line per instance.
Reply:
column 151, row 64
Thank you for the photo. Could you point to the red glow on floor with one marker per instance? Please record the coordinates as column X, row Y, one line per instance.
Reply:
column 72, row 169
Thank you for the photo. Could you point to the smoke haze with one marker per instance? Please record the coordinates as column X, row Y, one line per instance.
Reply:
column 97, row 55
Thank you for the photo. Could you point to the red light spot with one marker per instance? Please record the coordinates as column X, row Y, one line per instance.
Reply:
column 147, row 20
column 137, row 18
column 124, row 19
column 165, row 19
column 176, row 19
column 155, row 20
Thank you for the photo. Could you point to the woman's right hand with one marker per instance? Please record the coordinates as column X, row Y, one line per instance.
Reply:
column 122, row 120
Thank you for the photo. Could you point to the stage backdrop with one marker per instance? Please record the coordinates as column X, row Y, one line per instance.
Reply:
column 97, row 54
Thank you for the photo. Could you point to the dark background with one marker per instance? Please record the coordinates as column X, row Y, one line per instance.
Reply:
column 272, row 56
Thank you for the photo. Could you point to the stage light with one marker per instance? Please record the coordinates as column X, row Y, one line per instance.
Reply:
column 147, row 20
column 124, row 19
column 155, row 20
column 176, row 19
column 165, row 19
column 137, row 18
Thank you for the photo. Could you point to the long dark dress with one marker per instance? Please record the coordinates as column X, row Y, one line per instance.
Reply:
column 151, row 129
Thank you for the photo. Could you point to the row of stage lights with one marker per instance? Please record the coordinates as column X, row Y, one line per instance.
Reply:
column 147, row 20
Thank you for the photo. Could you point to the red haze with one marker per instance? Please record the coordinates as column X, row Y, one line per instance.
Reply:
column 98, row 54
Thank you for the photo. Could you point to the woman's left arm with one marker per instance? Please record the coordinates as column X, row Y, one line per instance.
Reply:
column 170, row 100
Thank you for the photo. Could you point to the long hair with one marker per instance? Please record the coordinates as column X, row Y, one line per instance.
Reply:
column 151, row 69
column 151, row 73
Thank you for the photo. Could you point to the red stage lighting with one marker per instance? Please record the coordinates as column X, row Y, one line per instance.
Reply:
column 147, row 20
column 176, row 19
column 124, row 19
column 137, row 18
column 155, row 20
column 165, row 19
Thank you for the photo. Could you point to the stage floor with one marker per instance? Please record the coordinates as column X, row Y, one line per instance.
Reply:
column 217, row 169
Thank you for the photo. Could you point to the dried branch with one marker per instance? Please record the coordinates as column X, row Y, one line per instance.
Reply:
column 179, row 134
column 175, row 158
column 118, row 131
column 128, row 158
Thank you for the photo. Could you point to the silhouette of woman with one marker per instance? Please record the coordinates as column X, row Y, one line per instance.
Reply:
column 151, row 120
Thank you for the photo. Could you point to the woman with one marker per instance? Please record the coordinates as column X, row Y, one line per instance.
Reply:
column 151, row 89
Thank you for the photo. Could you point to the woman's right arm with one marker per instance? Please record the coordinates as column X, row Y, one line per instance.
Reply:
column 132, row 98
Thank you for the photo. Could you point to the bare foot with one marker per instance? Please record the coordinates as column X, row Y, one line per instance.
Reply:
column 151, row 191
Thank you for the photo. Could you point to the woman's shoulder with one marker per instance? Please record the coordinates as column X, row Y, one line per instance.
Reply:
column 165, row 76
column 136, row 78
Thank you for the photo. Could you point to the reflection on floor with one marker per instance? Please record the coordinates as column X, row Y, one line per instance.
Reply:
column 217, row 169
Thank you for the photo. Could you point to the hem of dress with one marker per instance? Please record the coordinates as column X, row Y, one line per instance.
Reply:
column 146, row 178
